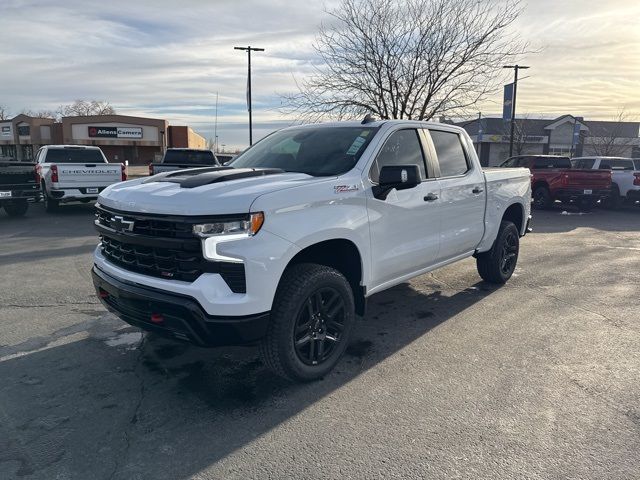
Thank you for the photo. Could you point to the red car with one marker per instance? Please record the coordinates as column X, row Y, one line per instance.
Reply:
column 553, row 179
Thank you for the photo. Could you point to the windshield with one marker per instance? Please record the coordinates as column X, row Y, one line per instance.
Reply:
column 69, row 155
column 189, row 157
column 318, row 151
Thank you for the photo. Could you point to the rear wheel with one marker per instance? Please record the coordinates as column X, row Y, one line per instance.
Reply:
column 311, row 322
column 614, row 201
column 541, row 197
column 50, row 204
column 17, row 208
column 497, row 265
column 587, row 204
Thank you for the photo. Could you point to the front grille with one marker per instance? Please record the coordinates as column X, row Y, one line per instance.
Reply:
column 164, row 248
column 158, row 262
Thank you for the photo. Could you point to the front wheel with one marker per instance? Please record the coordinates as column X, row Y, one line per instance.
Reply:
column 311, row 322
column 497, row 265
column 16, row 209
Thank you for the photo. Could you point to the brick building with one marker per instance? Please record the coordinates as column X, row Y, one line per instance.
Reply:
column 122, row 138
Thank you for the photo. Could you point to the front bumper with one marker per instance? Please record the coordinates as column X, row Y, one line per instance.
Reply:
column 176, row 316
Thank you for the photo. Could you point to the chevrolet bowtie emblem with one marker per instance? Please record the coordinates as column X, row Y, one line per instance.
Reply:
column 119, row 224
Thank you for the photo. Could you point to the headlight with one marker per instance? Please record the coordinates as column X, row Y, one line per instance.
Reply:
column 248, row 227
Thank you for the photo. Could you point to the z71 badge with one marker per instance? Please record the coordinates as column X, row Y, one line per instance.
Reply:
column 345, row 188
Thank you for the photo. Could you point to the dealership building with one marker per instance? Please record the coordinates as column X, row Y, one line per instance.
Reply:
column 566, row 135
column 122, row 138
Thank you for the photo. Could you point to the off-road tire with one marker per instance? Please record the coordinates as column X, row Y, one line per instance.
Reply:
column 490, row 264
column 299, row 283
column 16, row 209
column 542, row 198
column 614, row 201
column 51, row 205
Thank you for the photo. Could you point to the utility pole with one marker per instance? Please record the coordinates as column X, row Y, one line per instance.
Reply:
column 249, row 49
column 513, row 103
column 479, row 133
column 215, row 128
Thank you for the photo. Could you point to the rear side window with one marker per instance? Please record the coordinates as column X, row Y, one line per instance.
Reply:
column 401, row 148
column 450, row 153
column 70, row 155
column 551, row 162
column 583, row 163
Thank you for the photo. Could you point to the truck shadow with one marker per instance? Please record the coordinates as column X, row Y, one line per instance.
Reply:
column 564, row 219
column 137, row 406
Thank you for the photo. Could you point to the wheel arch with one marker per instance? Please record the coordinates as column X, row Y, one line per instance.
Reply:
column 341, row 254
column 515, row 213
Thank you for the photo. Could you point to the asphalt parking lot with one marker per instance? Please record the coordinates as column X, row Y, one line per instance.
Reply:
column 447, row 377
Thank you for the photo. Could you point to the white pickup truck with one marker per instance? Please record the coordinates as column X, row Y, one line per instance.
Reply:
column 625, row 177
column 283, row 247
column 73, row 173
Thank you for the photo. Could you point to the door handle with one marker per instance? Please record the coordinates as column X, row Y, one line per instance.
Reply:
column 431, row 197
column 477, row 190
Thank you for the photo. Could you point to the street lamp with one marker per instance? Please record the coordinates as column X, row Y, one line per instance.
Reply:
column 513, row 103
column 249, row 49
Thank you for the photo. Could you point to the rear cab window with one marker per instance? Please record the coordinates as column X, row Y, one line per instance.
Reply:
column 189, row 157
column 583, row 163
column 617, row 164
column 450, row 153
column 551, row 162
column 74, row 155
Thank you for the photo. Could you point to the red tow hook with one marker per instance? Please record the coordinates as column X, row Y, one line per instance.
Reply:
column 157, row 318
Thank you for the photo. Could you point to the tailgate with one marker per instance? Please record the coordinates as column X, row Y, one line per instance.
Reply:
column 589, row 179
column 16, row 174
column 78, row 175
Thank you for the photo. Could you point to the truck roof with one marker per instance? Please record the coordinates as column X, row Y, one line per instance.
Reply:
column 72, row 147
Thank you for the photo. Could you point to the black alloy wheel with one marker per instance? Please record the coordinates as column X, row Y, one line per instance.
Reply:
column 509, row 253
column 319, row 326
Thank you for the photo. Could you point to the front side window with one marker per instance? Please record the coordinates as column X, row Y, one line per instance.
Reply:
column 401, row 148
column 450, row 153
column 317, row 151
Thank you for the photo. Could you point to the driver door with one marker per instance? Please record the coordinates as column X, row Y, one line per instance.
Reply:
column 405, row 226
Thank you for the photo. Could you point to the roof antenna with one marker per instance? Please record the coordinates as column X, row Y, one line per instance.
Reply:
column 368, row 118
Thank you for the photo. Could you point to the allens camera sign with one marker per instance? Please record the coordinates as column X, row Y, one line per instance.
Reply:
column 115, row 132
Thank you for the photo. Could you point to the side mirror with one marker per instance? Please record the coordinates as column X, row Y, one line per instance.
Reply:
column 400, row 177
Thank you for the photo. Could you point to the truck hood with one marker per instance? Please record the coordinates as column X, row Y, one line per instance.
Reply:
column 145, row 195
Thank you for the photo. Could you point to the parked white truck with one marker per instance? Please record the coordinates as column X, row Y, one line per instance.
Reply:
column 625, row 177
column 74, row 173
column 283, row 247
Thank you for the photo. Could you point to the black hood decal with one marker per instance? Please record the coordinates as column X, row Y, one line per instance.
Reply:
column 198, row 177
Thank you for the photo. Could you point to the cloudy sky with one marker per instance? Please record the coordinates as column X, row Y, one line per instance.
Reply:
column 167, row 59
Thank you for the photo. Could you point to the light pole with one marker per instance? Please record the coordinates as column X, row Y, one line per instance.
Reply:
column 249, row 49
column 513, row 102
column 215, row 128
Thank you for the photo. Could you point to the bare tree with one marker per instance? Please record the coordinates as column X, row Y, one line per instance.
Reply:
column 40, row 113
column 85, row 108
column 414, row 59
column 4, row 113
column 610, row 139
column 521, row 134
